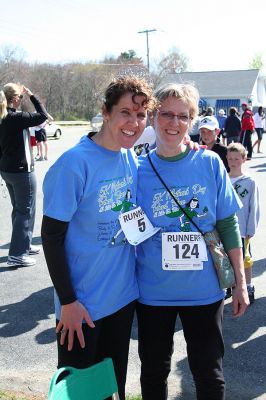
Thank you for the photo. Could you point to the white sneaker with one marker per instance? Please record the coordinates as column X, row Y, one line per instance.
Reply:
column 34, row 249
column 24, row 261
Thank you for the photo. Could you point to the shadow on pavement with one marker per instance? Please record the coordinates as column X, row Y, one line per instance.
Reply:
column 259, row 167
column 259, row 267
column 5, row 246
column 46, row 337
column 244, row 361
column 37, row 240
column 21, row 317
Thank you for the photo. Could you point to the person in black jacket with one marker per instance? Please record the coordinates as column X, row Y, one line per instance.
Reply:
column 17, row 169
column 232, row 126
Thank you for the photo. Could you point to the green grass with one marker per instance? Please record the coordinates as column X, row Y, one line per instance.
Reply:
column 8, row 395
column 11, row 395
column 133, row 398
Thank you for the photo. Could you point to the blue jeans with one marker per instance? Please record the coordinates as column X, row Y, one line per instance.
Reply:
column 22, row 191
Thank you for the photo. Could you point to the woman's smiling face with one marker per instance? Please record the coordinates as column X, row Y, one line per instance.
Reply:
column 171, row 124
column 125, row 122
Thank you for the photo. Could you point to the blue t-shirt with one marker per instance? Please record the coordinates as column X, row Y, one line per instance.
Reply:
column 199, row 176
column 89, row 186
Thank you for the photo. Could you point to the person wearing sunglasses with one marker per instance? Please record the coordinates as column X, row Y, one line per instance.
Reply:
column 17, row 169
column 186, row 194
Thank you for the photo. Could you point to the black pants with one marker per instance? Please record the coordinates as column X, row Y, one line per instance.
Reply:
column 202, row 326
column 109, row 338
column 245, row 139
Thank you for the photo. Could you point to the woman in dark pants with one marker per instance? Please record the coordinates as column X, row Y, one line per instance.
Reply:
column 17, row 169
column 175, row 272
column 90, row 262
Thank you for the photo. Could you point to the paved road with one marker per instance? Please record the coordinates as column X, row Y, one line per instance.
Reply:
column 27, row 339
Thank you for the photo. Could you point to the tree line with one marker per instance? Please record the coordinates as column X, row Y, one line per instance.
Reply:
column 74, row 91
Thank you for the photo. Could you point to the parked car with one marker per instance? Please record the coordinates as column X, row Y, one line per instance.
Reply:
column 53, row 130
column 96, row 122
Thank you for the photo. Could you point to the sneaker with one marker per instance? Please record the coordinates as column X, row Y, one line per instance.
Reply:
column 251, row 294
column 228, row 293
column 40, row 159
column 23, row 261
column 46, row 159
column 34, row 249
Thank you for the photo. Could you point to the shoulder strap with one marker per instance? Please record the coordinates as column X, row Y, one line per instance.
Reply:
column 169, row 191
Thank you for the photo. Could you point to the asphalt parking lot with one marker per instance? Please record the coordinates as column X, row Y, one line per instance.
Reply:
column 27, row 337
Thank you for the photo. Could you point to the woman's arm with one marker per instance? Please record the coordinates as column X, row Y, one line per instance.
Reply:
column 27, row 119
column 228, row 230
column 53, row 234
column 240, row 295
column 72, row 311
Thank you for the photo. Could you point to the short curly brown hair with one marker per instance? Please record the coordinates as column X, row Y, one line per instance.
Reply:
column 128, row 84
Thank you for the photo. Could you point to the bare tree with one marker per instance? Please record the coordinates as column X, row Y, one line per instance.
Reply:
column 11, row 61
column 173, row 62
column 69, row 91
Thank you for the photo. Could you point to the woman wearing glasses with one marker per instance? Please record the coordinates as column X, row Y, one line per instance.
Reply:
column 175, row 271
column 17, row 169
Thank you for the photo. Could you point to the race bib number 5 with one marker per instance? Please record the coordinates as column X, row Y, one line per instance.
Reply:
column 183, row 251
column 136, row 226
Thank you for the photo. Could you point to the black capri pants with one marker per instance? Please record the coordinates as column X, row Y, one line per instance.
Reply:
column 109, row 338
column 202, row 327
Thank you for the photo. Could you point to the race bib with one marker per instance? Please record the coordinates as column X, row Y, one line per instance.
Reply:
column 136, row 226
column 182, row 251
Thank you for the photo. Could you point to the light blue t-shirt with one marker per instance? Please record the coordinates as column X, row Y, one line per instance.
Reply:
column 202, row 186
column 89, row 186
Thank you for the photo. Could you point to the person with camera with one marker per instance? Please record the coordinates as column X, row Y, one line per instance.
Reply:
column 17, row 169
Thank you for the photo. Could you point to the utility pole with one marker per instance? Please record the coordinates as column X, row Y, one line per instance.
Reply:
column 147, row 31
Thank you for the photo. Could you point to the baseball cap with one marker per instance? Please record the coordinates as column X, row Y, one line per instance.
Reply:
column 244, row 104
column 209, row 122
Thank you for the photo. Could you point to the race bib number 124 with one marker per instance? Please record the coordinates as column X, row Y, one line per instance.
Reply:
column 183, row 251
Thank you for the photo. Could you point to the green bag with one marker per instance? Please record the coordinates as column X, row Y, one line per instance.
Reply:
column 94, row 383
column 220, row 259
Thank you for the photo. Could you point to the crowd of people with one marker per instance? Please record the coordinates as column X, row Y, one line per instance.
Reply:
column 122, row 233
column 244, row 128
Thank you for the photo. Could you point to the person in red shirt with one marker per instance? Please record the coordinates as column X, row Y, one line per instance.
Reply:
column 248, row 128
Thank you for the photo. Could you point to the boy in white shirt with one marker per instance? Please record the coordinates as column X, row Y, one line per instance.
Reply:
column 248, row 215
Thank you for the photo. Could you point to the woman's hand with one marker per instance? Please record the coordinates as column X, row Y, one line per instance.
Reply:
column 193, row 145
column 27, row 91
column 70, row 322
column 240, row 300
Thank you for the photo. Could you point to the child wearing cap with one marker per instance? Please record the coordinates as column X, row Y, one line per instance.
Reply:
column 248, row 215
column 209, row 130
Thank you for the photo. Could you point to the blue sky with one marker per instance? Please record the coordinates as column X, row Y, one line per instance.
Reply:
column 214, row 35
